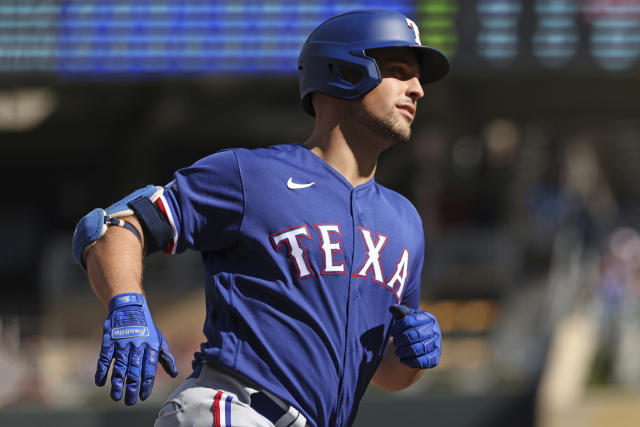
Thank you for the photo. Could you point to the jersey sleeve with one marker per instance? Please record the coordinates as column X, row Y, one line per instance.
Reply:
column 411, row 296
column 204, row 204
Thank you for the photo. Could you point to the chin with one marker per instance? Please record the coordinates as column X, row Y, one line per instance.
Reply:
column 402, row 134
column 392, row 128
column 397, row 139
column 402, row 128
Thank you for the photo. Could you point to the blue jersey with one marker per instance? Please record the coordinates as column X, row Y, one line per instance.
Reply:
column 300, row 269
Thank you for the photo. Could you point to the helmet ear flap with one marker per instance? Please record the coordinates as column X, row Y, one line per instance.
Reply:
column 346, row 74
column 343, row 79
column 351, row 75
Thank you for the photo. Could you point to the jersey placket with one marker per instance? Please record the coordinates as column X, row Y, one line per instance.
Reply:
column 358, row 218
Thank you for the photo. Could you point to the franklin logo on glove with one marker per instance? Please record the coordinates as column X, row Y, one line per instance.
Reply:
column 117, row 333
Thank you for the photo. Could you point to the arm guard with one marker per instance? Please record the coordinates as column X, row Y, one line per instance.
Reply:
column 157, row 232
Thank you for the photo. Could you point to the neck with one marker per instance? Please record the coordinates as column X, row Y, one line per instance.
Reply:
column 354, row 154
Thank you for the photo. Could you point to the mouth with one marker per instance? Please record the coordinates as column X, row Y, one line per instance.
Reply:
column 407, row 110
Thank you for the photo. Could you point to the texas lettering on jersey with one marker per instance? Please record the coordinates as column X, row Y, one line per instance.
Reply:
column 333, row 262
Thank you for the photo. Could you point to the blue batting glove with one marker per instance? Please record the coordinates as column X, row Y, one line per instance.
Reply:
column 417, row 337
column 131, row 338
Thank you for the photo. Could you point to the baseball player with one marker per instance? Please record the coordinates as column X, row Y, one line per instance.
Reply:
column 311, row 268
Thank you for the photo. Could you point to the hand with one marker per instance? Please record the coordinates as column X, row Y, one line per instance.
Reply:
column 130, row 336
column 416, row 335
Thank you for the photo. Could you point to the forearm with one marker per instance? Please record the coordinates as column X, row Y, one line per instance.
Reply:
column 392, row 374
column 114, row 263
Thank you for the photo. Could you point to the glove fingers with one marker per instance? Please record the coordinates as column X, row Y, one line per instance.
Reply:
column 104, row 361
column 424, row 362
column 119, row 371
column 418, row 349
column 410, row 351
column 133, row 375
column 414, row 335
column 412, row 362
column 167, row 360
column 149, row 366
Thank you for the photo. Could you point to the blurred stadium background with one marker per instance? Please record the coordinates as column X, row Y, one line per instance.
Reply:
column 525, row 166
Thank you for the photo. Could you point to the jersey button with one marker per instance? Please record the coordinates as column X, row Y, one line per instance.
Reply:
column 361, row 217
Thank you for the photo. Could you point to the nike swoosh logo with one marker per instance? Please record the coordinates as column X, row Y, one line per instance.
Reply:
column 295, row 186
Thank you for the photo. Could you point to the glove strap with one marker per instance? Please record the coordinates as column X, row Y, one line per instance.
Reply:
column 131, row 322
column 129, row 298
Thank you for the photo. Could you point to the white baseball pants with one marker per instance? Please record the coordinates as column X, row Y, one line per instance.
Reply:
column 217, row 399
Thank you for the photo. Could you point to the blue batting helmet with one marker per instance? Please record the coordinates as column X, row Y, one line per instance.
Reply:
column 342, row 42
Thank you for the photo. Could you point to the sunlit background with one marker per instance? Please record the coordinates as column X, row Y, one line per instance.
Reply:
column 524, row 164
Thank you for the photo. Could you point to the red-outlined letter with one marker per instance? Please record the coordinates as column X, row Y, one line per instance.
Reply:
column 400, row 275
column 329, row 246
column 373, row 256
column 297, row 252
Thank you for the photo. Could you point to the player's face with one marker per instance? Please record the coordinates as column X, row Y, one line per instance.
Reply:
column 390, row 108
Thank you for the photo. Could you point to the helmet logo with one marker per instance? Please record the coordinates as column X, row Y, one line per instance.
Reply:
column 414, row 27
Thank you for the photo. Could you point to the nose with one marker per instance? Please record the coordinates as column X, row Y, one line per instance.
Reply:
column 414, row 89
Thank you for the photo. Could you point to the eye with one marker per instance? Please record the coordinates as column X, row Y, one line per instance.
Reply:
column 399, row 71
